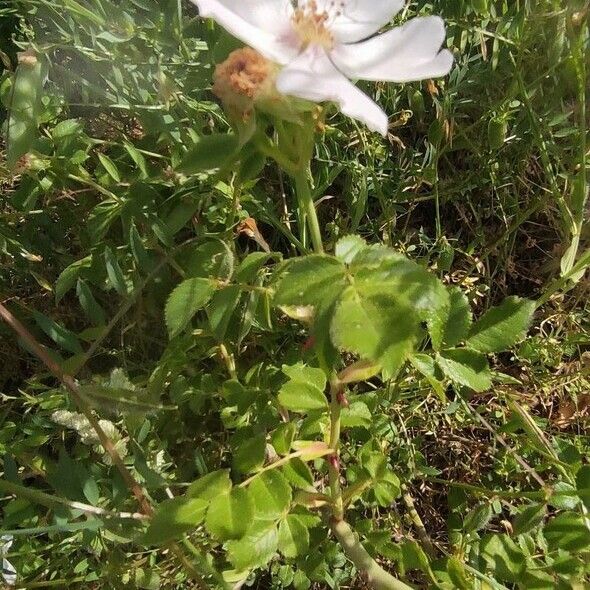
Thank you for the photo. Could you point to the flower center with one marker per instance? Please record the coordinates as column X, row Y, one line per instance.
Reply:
column 310, row 27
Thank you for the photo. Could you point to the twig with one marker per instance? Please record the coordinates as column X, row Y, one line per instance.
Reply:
column 83, row 406
column 71, row 385
column 50, row 501
column 418, row 523
column 505, row 444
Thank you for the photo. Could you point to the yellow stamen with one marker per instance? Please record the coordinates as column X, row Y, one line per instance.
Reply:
column 310, row 26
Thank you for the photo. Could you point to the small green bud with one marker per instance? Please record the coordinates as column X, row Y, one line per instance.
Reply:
column 497, row 131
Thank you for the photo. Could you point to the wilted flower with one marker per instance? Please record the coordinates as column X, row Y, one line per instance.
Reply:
column 242, row 78
column 323, row 43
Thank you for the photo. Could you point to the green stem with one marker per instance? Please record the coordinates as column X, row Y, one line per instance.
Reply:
column 334, row 463
column 307, row 207
column 376, row 576
column 267, row 148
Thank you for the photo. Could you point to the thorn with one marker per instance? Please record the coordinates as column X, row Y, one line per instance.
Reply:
column 342, row 399
column 309, row 344
column 335, row 462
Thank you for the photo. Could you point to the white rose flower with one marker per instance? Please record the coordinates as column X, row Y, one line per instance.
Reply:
column 322, row 44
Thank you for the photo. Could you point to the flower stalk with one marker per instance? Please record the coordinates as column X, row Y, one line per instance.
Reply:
column 307, row 208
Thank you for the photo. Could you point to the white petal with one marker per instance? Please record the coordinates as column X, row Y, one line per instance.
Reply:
column 8, row 572
column 406, row 53
column 262, row 24
column 312, row 76
column 354, row 20
column 268, row 15
column 6, row 541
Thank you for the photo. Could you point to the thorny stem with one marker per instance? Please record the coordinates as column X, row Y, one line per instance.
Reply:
column 376, row 576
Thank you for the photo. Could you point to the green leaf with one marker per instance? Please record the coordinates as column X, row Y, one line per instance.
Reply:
column 358, row 372
column 271, row 494
column 210, row 152
column 89, row 304
column 69, row 276
column 458, row 574
column 426, row 365
column 465, row 367
column 301, row 581
column 568, row 531
column 251, row 266
column 114, row 272
column 282, row 437
column 503, row 556
column 142, row 258
column 529, row 519
column 348, row 247
column 25, row 106
column 566, row 497
column 184, row 302
column 304, row 374
column 237, row 395
column 173, row 518
column 66, row 128
column 298, row 396
column 213, row 259
column 413, row 557
column 181, row 215
column 503, row 326
column 249, row 453
column 230, row 515
column 460, row 318
column 110, row 167
column 381, row 271
column 137, row 157
column 537, row 580
column 60, row 335
column 221, row 308
column 293, row 537
column 256, row 549
column 387, row 488
column 357, row 414
column 376, row 328
column 298, row 473
column 309, row 281
column 80, row 10
column 478, row 518
column 583, row 485
column 101, row 218
column 305, row 391
column 210, row 486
